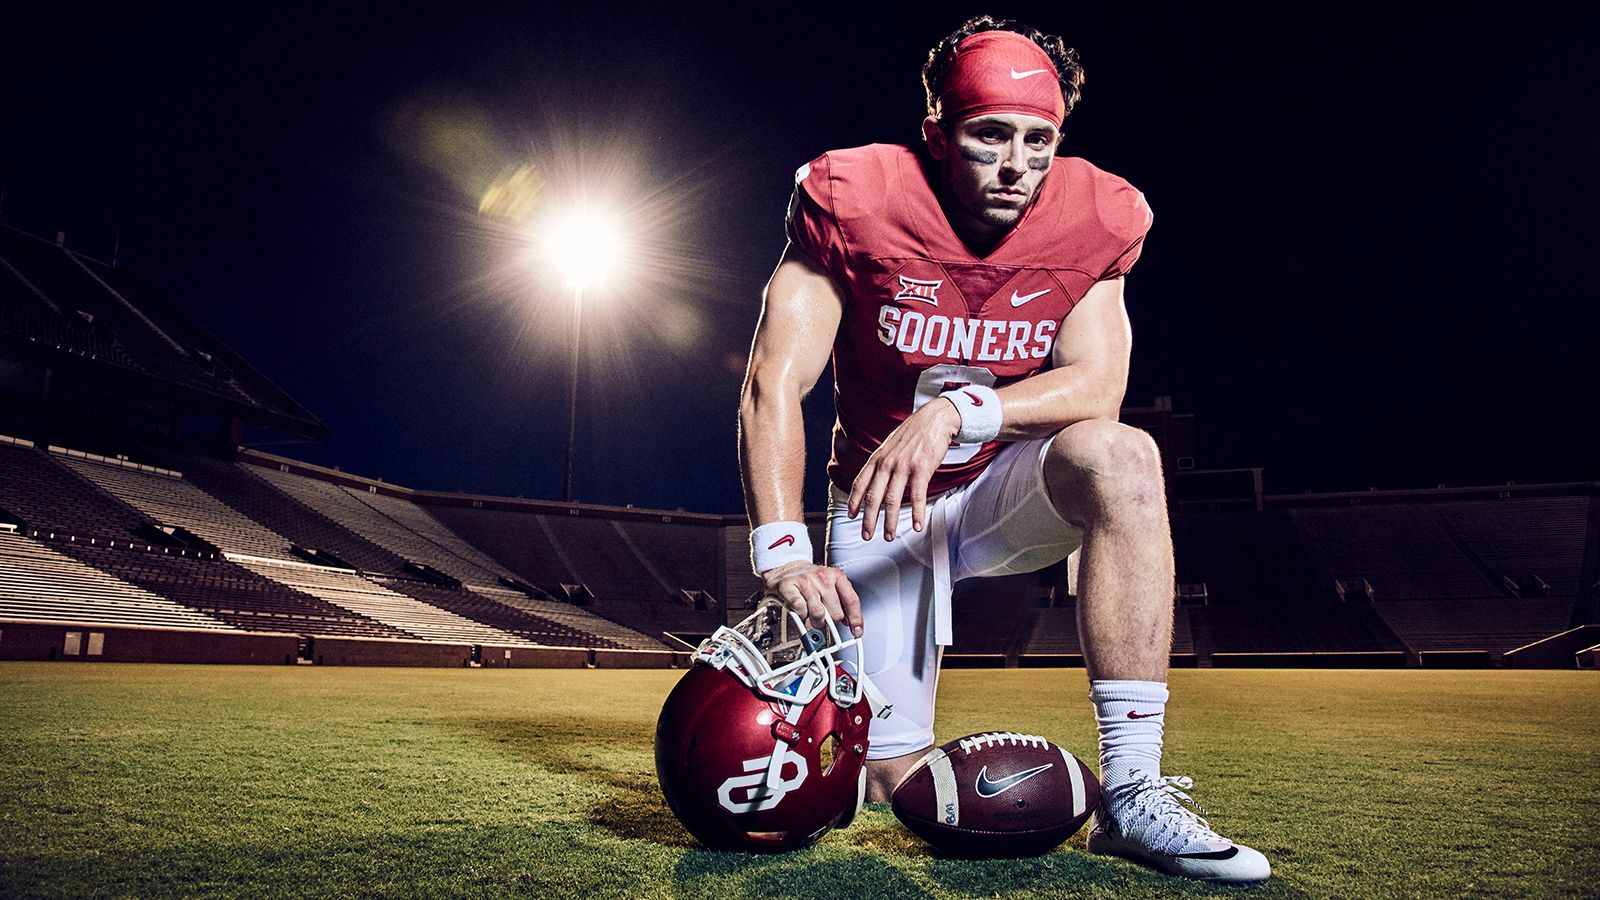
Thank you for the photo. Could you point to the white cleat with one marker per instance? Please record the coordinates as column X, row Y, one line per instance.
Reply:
column 1154, row 822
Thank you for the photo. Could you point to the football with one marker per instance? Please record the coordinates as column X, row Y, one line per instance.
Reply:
column 996, row 794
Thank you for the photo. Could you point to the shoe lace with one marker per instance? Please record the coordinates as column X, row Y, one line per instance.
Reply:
column 1162, row 811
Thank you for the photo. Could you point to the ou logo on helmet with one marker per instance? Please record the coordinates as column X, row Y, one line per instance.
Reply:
column 757, row 796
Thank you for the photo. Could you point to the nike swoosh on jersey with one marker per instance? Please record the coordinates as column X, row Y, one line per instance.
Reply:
column 1021, row 75
column 1018, row 301
column 987, row 788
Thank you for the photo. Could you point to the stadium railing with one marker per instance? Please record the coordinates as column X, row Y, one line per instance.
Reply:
column 1558, row 651
column 1349, row 659
column 1455, row 659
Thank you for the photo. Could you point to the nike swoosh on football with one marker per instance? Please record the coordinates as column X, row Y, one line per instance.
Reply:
column 987, row 788
column 1021, row 75
column 1018, row 301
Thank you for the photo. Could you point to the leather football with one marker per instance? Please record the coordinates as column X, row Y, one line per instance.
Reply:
column 996, row 794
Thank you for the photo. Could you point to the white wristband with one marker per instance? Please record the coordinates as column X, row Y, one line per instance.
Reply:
column 777, row 543
column 980, row 413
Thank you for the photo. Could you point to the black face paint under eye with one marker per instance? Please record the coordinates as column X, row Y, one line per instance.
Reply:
column 1040, row 163
column 986, row 157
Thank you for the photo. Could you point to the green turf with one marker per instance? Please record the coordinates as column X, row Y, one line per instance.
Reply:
column 140, row 780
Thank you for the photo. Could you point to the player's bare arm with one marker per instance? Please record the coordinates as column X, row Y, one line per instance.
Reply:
column 1088, row 381
column 799, row 319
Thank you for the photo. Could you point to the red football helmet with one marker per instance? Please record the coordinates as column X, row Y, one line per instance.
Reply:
column 763, row 743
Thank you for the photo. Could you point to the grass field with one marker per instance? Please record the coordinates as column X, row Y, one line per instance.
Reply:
column 138, row 780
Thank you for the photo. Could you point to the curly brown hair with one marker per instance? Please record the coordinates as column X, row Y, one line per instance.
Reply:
column 1065, row 58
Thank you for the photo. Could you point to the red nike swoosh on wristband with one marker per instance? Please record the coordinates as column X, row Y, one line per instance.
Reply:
column 976, row 400
column 786, row 539
column 1134, row 715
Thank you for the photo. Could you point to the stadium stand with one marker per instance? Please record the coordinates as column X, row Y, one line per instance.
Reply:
column 41, row 584
column 1404, row 551
column 240, row 488
column 577, row 619
column 392, row 524
column 1518, row 540
column 166, row 498
column 523, row 542
column 636, row 570
column 1496, row 625
column 499, row 609
column 350, row 591
column 102, row 316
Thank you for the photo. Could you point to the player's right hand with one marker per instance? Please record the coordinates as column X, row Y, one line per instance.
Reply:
column 816, row 593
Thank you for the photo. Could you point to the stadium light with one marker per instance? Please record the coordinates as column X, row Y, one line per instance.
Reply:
column 587, row 247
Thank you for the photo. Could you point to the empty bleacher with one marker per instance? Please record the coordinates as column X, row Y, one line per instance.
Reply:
column 51, row 500
column 227, row 591
column 1296, row 627
column 522, row 541
column 242, row 489
column 636, row 570
column 1402, row 550
column 1496, row 625
column 495, row 608
column 1533, row 536
column 172, row 501
column 38, row 583
column 577, row 619
column 374, row 601
column 398, row 526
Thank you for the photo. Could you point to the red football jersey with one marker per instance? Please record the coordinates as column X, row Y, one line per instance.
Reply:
column 922, row 314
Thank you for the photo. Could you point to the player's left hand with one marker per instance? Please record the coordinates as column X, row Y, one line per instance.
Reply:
column 906, row 459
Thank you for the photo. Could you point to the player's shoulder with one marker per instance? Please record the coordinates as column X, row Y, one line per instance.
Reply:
column 1117, row 205
column 858, row 180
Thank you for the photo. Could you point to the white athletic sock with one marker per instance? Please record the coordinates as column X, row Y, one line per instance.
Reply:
column 1130, row 715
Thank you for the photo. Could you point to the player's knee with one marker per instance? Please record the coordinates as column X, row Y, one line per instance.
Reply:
column 1103, row 449
column 1103, row 468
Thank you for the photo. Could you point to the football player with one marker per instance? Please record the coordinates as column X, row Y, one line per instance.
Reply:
column 970, row 294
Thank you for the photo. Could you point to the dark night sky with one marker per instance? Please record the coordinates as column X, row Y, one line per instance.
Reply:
column 1370, row 262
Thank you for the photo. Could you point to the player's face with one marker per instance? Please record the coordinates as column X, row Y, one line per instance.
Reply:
column 994, row 164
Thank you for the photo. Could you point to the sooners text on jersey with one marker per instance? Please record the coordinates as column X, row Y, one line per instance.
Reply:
column 922, row 314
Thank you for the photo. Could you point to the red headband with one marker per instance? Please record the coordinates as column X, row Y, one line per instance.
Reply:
column 1001, row 72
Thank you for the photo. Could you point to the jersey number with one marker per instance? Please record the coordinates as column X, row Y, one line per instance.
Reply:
column 934, row 381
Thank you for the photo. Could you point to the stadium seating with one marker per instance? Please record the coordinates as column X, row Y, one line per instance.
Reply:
column 1535, row 536
column 52, row 501
column 1295, row 627
column 1497, row 625
column 242, row 489
column 524, row 542
column 1404, row 551
column 352, row 592
column 398, row 526
column 499, row 610
column 227, row 591
column 636, row 570
column 170, row 500
column 38, row 583
column 577, row 619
